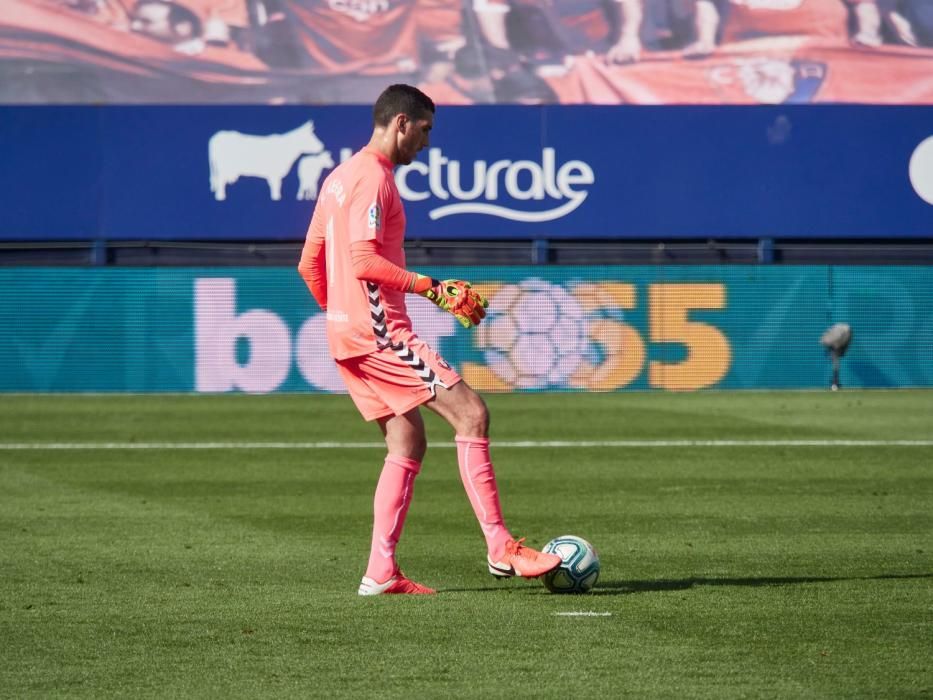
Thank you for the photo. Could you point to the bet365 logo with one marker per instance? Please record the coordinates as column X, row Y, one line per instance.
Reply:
column 541, row 335
column 537, row 335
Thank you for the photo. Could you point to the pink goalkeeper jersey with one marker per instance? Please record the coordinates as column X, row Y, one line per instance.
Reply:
column 358, row 202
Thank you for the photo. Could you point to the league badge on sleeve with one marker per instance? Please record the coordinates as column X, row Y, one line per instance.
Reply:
column 375, row 217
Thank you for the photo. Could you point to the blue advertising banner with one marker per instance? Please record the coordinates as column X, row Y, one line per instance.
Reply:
column 607, row 328
column 508, row 172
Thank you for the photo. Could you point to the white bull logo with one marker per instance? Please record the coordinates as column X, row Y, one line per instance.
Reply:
column 234, row 155
column 309, row 173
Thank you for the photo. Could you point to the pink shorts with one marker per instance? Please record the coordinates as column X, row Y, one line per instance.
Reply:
column 392, row 381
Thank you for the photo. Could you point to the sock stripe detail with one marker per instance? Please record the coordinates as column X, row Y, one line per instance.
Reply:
column 406, row 500
column 471, row 478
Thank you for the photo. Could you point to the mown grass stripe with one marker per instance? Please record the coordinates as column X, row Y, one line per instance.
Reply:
column 519, row 444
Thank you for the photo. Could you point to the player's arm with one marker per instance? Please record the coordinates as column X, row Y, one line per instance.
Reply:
column 454, row 296
column 368, row 206
column 370, row 266
column 490, row 16
column 313, row 266
column 627, row 47
column 440, row 27
column 868, row 23
column 706, row 22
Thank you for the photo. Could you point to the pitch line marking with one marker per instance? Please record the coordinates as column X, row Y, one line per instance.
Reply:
column 583, row 613
column 519, row 444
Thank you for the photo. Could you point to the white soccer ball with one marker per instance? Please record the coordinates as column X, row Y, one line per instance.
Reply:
column 579, row 567
column 535, row 336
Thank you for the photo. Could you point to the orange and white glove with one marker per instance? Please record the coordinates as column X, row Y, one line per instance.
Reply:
column 454, row 296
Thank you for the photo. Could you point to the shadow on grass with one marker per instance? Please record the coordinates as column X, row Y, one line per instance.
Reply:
column 628, row 587
column 660, row 585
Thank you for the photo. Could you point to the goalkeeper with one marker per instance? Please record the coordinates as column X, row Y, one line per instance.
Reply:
column 353, row 262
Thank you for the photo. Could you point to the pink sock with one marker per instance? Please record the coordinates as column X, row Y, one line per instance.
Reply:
column 479, row 480
column 393, row 496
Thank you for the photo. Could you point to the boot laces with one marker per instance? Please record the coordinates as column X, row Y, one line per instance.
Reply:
column 517, row 548
column 409, row 586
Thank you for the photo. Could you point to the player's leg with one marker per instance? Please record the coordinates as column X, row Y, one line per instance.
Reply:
column 405, row 440
column 404, row 434
column 466, row 411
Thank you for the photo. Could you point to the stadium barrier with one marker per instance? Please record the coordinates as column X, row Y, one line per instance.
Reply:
column 555, row 328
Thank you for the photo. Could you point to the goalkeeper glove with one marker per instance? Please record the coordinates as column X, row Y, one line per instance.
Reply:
column 454, row 296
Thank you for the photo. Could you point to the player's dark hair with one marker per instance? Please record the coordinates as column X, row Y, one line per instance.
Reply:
column 401, row 99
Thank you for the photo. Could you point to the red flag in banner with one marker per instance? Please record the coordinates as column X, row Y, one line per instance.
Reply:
column 767, row 71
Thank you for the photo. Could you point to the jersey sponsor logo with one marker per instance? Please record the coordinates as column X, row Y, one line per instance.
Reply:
column 561, row 189
column 270, row 157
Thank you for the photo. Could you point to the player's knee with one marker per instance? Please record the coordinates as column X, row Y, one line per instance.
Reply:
column 475, row 417
column 411, row 448
column 420, row 449
column 418, row 446
column 410, row 443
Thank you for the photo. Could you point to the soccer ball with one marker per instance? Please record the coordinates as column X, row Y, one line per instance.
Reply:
column 535, row 336
column 579, row 567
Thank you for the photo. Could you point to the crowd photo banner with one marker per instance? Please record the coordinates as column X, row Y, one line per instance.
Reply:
column 664, row 328
column 466, row 51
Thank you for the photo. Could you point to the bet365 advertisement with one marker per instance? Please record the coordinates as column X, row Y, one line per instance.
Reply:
column 555, row 328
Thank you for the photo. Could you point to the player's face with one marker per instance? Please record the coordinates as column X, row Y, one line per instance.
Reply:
column 414, row 135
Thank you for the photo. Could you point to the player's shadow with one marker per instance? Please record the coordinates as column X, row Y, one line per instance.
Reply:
column 660, row 585
column 685, row 584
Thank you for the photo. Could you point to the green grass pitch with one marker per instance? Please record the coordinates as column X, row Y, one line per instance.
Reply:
column 730, row 570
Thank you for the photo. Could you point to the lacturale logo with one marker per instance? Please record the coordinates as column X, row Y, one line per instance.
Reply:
column 514, row 190
column 519, row 190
